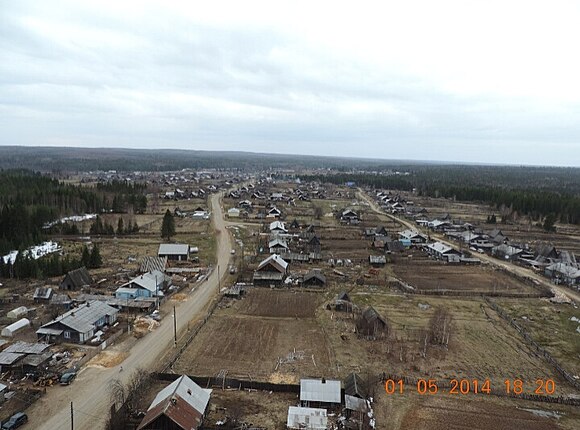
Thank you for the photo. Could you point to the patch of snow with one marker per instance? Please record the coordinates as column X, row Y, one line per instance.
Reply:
column 35, row 252
column 73, row 218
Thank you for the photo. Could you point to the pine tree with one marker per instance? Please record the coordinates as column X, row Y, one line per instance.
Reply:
column 168, row 225
column 120, row 227
column 95, row 260
column 86, row 257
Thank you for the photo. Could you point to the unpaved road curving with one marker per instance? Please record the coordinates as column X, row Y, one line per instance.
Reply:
column 521, row 271
column 90, row 391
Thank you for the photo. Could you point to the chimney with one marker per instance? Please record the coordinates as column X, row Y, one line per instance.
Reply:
column 323, row 380
column 189, row 391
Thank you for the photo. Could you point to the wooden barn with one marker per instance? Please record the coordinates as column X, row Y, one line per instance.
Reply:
column 371, row 324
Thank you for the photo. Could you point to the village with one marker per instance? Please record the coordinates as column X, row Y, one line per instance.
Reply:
column 309, row 297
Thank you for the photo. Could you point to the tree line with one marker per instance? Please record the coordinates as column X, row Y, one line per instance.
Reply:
column 29, row 201
column 26, row 267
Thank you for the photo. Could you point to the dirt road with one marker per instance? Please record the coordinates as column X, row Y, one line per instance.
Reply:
column 521, row 271
column 89, row 392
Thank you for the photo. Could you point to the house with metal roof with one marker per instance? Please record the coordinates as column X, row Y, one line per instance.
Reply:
column 320, row 392
column 564, row 273
column 306, row 418
column 179, row 406
column 79, row 324
column 278, row 227
column 440, row 250
column 277, row 245
column 174, row 251
column 149, row 284
column 413, row 236
column 271, row 270
column 76, row 279
column 42, row 294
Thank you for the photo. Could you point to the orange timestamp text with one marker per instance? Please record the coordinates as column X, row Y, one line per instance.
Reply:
column 471, row 386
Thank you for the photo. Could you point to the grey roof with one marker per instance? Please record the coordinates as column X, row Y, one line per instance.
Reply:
column 315, row 274
column 355, row 404
column 27, row 348
column 36, row 360
column 43, row 293
column 377, row 259
column 83, row 318
column 315, row 390
column 173, row 249
column 306, row 418
column 274, row 261
column 353, row 385
column 151, row 281
column 440, row 248
column 188, row 390
column 9, row 358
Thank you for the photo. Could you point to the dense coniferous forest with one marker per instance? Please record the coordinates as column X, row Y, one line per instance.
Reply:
column 535, row 192
column 28, row 201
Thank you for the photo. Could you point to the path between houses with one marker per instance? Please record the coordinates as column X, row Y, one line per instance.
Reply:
column 90, row 391
column 520, row 271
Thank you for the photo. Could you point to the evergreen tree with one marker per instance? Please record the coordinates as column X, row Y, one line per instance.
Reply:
column 86, row 257
column 120, row 227
column 549, row 222
column 96, row 260
column 168, row 225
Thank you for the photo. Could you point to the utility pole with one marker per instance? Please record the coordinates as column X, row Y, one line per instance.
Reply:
column 174, row 328
column 72, row 426
column 219, row 281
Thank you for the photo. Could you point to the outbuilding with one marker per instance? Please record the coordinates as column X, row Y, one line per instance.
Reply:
column 10, row 330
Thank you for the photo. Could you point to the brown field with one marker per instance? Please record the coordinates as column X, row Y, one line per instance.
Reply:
column 481, row 345
column 425, row 274
column 247, row 339
column 411, row 411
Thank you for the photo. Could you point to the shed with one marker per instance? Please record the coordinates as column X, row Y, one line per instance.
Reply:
column 76, row 279
column 19, row 312
column 10, row 330
column 371, row 324
column 314, row 278
column 377, row 260
column 42, row 294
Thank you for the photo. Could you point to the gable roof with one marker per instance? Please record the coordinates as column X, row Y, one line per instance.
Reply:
column 183, row 402
column 149, row 264
column 343, row 296
column 43, row 293
column 276, row 262
column 353, row 386
column 277, row 225
column 150, row 281
column 83, row 318
column 371, row 315
column 315, row 274
column 79, row 277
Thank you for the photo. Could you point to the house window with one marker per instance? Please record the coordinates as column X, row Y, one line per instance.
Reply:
column 67, row 334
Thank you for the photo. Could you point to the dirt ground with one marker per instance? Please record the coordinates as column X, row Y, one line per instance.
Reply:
column 481, row 345
column 248, row 338
column 441, row 412
column 426, row 274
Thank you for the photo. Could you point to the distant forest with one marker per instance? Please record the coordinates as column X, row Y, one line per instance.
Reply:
column 533, row 191
column 30, row 200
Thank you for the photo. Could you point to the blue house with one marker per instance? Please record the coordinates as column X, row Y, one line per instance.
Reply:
column 150, row 284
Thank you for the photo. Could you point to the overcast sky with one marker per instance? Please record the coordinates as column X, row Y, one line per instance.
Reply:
column 477, row 81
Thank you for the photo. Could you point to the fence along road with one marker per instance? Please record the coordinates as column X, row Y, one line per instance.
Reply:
column 520, row 271
column 90, row 391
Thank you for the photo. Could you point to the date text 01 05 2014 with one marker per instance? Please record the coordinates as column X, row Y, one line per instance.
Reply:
column 472, row 386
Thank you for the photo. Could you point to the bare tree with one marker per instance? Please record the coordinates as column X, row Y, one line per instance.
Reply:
column 440, row 327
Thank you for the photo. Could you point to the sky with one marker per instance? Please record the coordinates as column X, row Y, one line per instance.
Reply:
column 473, row 81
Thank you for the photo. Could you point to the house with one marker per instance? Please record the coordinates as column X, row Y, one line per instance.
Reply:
column 61, row 301
column 438, row 225
column 277, row 197
column 349, row 216
column 79, row 324
column 274, row 213
column 440, row 251
column 271, row 270
column 355, row 396
column 277, row 245
column 413, row 236
column 392, row 246
column 233, row 213
column 149, row 284
column 381, row 231
column 76, row 279
column 179, row 406
column 546, row 254
column 42, row 294
column 174, row 251
column 295, row 225
column 563, row 273
column 371, row 324
column 497, row 237
column 320, row 392
column 278, row 227
column 314, row 278
column 306, row 418
column 506, row 252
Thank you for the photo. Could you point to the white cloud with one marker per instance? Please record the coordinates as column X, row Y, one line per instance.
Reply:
column 456, row 80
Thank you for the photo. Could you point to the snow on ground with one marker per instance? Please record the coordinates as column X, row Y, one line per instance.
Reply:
column 74, row 218
column 35, row 251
